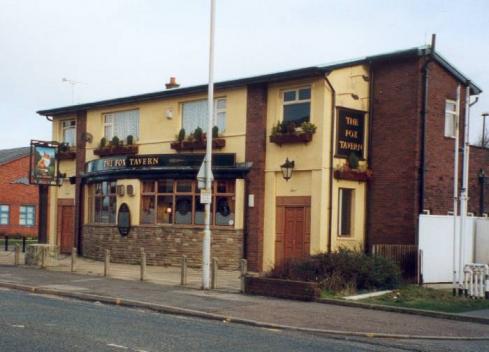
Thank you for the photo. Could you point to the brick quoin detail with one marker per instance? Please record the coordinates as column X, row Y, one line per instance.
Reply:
column 256, row 120
column 16, row 195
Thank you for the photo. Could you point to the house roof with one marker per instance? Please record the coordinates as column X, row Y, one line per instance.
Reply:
column 272, row 77
column 7, row 155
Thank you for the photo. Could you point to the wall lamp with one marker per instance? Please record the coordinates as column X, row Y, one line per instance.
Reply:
column 287, row 169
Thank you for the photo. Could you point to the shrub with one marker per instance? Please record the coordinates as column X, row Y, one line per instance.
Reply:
column 344, row 270
column 215, row 132
column 130, row 139
column 308, row 127
column 181, row 135
column 103, row 142
column 64, row 147
column 353, row 161
column 115, row 141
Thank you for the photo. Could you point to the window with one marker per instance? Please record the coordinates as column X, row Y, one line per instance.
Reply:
column 450, row 118
column 4, row 214
column 121, row 124
column 194, row 114
column 103, row 202
column 345, row 212
column 68, row 128
column 27, row 215
column 171, row 201
column 297, row 105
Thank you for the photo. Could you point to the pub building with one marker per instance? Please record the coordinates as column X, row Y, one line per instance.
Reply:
column 304, row 161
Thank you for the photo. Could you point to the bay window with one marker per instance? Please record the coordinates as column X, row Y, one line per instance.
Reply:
column 171, row 201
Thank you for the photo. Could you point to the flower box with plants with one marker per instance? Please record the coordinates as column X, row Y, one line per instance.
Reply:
column 66, row 152
column 352, row 171
column 290, row 133
column 116, row 147
column 197, row 140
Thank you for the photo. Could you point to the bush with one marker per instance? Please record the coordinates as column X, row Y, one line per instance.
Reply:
column 344, row 270
column 181, row 135
column 198, row 134
column 103, row 142
column 215, row 132
column 308, row 127
column 115, row 141
column 130, row 139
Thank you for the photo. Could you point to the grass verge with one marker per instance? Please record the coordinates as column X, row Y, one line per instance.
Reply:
column 412, row 296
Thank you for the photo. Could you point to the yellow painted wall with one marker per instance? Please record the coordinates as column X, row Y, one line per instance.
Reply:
column 133, row 202
column 312, row 160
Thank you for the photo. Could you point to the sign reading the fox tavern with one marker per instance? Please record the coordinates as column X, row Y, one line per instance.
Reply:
column 351, row 131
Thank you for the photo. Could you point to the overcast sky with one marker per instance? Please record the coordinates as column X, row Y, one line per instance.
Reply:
column 121, row 47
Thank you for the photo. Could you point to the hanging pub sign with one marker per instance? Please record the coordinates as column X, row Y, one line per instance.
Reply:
column 43, row 169
column 351, row 133
column 124, row 220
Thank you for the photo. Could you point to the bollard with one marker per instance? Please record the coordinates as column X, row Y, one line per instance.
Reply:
column 5, row 241
column 17, row 255
column 23, row 244
column 143, row 264
column 107, row 263
column 73, row 259
column 183, row 274
column 243, row 268
column 43, row 257
column 214, row 274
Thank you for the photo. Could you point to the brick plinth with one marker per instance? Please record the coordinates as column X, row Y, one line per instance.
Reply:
column 164, row 245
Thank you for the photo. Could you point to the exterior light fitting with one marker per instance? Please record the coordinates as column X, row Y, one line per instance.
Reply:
column 287, row 169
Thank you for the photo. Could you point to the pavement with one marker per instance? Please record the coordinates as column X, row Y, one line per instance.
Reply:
column 244, row 309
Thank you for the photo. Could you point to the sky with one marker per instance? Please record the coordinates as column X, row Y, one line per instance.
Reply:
column 116, row 48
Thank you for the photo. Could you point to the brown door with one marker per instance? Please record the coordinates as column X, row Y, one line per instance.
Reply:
column 66, row 213
column 293, row 228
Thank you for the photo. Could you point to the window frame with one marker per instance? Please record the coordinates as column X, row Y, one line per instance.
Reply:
column 33, row 207
column 296, row 100
column 340, row 212
column 93, row 196
column 453, row 115
column 216, row 111
column 64, row 129
column 8, row 214
column 194, row 193
column 113, row 115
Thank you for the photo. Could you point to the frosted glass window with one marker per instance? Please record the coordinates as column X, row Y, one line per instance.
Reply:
column 121, row 124
column 194, row 114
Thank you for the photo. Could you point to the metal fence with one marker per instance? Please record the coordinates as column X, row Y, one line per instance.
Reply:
column 405, row 255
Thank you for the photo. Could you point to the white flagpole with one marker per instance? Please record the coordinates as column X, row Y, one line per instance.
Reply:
column 206, row 244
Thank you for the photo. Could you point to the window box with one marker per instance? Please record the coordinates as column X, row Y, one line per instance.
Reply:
column 291, row 138
column 217, row 143
column 116, row 150
column 353, row 175
column 66, row 155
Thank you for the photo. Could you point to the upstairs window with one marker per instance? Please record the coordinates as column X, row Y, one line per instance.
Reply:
column 4, row 214
column 121, row 124
column 27, row 215
column 450, row 118
column 68, row 132
column 194, row 114
column 345, row 212
column 297, row 105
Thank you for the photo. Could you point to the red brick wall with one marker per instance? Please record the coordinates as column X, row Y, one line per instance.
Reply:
column 16, row 195
column 394, row 152
column 479, row 159
column 255, row 152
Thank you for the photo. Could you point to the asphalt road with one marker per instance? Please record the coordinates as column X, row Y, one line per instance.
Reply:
column 31, row 322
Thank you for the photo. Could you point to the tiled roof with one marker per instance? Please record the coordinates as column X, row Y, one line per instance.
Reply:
column 7, row 155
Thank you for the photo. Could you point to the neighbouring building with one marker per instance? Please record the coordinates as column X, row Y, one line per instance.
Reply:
column 369, row 143
column 18, row 199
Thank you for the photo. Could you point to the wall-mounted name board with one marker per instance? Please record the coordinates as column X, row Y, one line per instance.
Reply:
column 158, row 161
column 351, row 133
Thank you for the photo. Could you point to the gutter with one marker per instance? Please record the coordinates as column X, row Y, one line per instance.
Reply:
column 331, row 159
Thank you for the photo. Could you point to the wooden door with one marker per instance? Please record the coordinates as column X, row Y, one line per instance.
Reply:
column 66, row 226
column 292, row 228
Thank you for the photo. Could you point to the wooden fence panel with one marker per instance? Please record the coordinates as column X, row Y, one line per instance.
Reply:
column 405, row 255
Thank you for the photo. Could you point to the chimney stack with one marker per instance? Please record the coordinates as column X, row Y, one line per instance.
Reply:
column 172, row 84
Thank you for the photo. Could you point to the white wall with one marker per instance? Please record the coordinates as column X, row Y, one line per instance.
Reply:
column 436, row 242
column 482, row 241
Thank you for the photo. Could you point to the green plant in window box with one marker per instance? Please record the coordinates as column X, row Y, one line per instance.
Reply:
column 115, row 142
column 181, row 135
column 103, row 142
column 215, row 132
column 130, row 139
column 198, row 134
column 353, row 161
column 308, row 127
column 64, row 147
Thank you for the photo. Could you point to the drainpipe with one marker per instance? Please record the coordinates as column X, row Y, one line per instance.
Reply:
column 369, row 153
column 424, row 112
column 331, row 159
